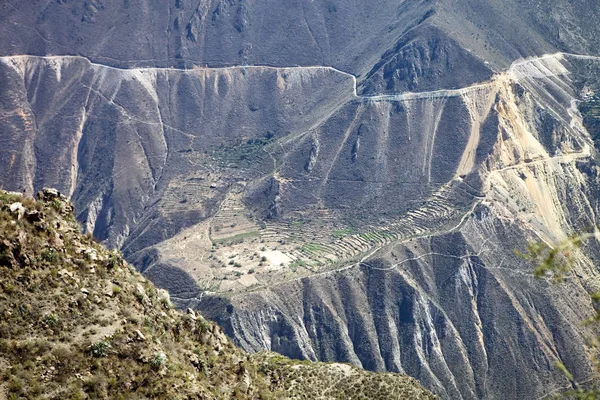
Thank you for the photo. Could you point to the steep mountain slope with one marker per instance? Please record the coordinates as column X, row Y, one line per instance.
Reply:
column 78, row 322
column 451, row 304
column 430, row 192
column 392, row 44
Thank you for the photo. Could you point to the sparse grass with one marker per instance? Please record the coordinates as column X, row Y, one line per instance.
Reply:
column 342, row 233
column 237, row 238
column 313, row 248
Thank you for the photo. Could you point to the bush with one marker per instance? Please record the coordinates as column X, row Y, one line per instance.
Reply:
column 51, row 319
column 158, row 360
column 57, row 205
column 100, row 349
column 49, row 255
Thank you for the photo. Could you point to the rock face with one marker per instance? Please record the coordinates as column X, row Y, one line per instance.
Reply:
column 350, row 189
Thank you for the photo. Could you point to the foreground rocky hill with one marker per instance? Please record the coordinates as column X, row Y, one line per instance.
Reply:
column 78, row 322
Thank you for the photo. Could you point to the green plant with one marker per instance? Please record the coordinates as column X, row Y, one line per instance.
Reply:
column 298, row 263
column 552, row 260
column 555, row 261
column 312, row 248
column 58, row 205
column 158, row 360
column 297, row 224
column 341, row 233
column 50, row 319
column 49, row 255
column 100, row 349
column 166, row 303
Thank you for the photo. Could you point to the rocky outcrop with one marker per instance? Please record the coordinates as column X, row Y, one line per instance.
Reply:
column 424, row 59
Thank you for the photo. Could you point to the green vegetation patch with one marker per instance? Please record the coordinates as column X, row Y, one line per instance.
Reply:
column 314, row 248
column 297, row 223
column 237, row 238
column 342, row 233
column 242, row 155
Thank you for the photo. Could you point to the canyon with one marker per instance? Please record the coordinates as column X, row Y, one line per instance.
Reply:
column 352, row 191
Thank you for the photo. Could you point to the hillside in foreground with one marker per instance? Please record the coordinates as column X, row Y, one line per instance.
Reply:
column 78, row 322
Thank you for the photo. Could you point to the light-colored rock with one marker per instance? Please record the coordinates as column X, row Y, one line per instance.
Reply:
column 91, row 254
column 18, row 209
column 140, row 335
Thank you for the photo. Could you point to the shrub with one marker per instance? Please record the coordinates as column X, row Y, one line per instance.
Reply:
column 158, row 360
column 49, row 255
column 100, row 349
column 51, row 319
column 57, row 205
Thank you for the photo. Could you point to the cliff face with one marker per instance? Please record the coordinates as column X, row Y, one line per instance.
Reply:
column 352, row 188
